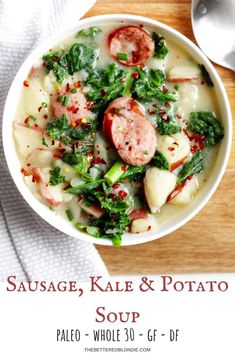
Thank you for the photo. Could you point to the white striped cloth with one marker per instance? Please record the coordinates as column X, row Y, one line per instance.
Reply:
column 30, row 248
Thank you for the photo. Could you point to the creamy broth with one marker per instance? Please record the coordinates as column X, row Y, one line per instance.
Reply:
column 58, row 182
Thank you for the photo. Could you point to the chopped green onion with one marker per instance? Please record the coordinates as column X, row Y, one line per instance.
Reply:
column 74, row 90
column 116, row 171
column 44, row 142
column 64, row 100
column 32, row 117
column 122, row 56
column 44, row 104
column 69, row 215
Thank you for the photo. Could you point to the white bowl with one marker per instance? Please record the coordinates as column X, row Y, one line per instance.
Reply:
column 181, row 217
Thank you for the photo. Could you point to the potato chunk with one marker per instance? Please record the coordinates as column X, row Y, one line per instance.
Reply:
column 175, row 148
column 158, row 184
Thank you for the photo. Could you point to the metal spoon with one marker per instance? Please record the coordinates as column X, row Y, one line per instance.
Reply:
column 213, row 24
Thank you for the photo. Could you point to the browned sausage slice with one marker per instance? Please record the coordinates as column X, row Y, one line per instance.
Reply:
column 126, row 126
column 75, row 107
column 131, row 45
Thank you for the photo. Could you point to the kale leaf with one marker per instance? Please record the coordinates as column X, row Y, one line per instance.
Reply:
column 58, row 128
column 61, row 129
column 133, row 173
column 167, row 127
column 55, row 177
column 194, row 166
column 206, row 124
column 160, row 161
column 160, row 49
column 206, row 76
column 90, row 32
column 77, row 57
column 105, row 85
column 147, row 86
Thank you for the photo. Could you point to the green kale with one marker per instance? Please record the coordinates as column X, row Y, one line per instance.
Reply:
column 77, row 57
column 61, row 129
column 90, row 32
column 112, row 226
column 167, row 127
column 55, row 177
column 133, row 173
column 160, row 161
column 194, row 166
column 206, row 76
column 206, row 124
column 148, row 86
column 160, row 49
column 105, row 85
column 58, row 128
column 80, row 163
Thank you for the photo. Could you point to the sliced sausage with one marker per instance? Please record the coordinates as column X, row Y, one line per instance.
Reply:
column 44, row 189
column 132, row 134
column 74, row 109
column 132, row 41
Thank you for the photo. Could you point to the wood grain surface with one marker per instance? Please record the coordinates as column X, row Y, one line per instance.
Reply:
column 206, row 243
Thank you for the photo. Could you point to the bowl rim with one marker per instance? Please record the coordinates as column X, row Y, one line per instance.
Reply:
column 42, row 210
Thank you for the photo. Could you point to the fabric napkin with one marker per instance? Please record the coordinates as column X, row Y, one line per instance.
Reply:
column 29, row 247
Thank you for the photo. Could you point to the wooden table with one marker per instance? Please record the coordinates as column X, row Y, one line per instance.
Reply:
column 206, row 243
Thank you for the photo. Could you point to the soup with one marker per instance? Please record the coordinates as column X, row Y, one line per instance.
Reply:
column 117, row 129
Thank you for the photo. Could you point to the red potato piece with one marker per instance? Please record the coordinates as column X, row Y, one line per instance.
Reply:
column 132, row 134
column 93, row 210
column 133, row 41
column 138, row 213
column 76, row 108
column 44, row 190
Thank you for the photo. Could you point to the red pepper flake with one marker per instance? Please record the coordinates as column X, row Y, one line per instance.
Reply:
column 123, row 80
column 60, row 145
column 167, row 104
column 150, row 112
column 58, row 155
column 52, row 142
column 26, row 121
column 24, row 172
column 155, row 105
column 202, row 82
column 45, row 116
column 116, row 186
column 165, row 117
column 122, row 194
column 28, row 164
column 108, row 148
column 135, row 75
column 73, row 109
column 171, row 148
column 187, row 134
column 194, row 149
column 179, row 116
column 99, row 160
column 141, row 26
column 149, row 227
column 162, row 111
column 26, row 83
column 164, row 89
column 36, row 125
column 55, row 58
column 67, row 87
column 185, row 122
column 103, row 92
column 89, row 105
column 77, row 84
column 39, row 109
column 123, row 167
column 201, row 146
